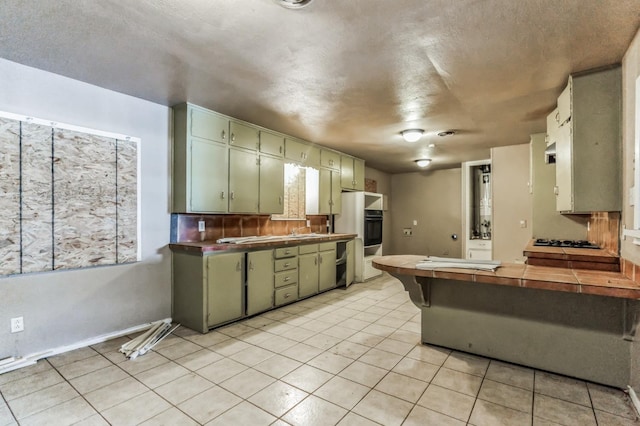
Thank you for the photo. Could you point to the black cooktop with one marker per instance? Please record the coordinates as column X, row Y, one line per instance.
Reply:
column 565, row 243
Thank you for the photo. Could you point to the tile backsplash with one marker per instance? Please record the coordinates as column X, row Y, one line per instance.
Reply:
column 604, row 230
column 184, row 227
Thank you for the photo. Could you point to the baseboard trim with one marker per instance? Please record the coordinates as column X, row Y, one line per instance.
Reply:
column 634, row 399
column 14, row 363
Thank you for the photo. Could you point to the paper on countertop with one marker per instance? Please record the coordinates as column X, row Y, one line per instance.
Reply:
column 434, row 262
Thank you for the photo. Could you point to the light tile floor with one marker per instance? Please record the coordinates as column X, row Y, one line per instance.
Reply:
column 346, row 357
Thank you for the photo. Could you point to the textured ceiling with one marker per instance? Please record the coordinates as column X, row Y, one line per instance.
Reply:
column 347, row 74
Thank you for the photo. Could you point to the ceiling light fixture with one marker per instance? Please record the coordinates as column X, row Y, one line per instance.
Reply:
column 424, row 162
column 446, row 133
column 412, row 135
column 293, row 4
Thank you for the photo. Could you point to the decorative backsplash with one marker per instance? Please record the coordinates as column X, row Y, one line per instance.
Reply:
column 184, row 227
column 604, row 230
column 69, row 197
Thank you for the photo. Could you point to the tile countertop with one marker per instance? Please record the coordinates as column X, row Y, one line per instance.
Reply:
column 568, row 253
column 612, row 284
column 211, row 246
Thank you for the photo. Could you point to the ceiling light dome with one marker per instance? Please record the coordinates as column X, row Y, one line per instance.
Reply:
column 423, row 162
column 412, row 135
column 293, row 4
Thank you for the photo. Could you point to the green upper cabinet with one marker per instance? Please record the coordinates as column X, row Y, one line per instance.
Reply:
column 244, row 179
column 302, row 152
column 271, row 185
column 207, row 124
column 244, row 136
column 208, row 178
column 330, row 159
column 588, row 149
column 200, row 161
column 336, row 193
column 351, row 173
column 323, row 192
column 271, row 144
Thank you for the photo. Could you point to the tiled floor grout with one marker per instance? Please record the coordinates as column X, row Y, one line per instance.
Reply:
column 382, row 308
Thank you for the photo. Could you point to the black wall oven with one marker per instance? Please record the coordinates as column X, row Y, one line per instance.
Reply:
column 372, row 227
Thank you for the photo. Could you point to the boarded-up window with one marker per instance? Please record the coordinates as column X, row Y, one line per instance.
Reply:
column 68, row 197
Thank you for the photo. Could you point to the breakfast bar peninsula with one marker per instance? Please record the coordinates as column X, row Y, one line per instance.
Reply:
column 581, row 323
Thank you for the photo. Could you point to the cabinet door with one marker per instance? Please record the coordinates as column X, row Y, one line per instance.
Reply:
column 308, row 278
column 312, row 157
column 324, row 192
column 330, row 159
column 224, row 287
column 271, row 144
column 351, row 262
column 259, row 281
column 552, row 127
column 295, row 150
column 208, row 177
column 244, row 181
column 346, row 172
column 271, row 185
column 478, row 254
column 336, row 193
column 243, row 136
column 327, row 270
column 564, row 171
column 358, row 174
column 209, row 125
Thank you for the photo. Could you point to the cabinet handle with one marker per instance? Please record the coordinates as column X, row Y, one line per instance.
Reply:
column 287, row 295
column 238, row 266
column 353, row 182
column 287, row 252
column 558, row 117
column 223, row 134
column 233, row 137
column 232, row 195
column 555, row 190
column 286, row 265
column 315, row 261
column 251, row 265
column 286, row 279
column 470, row 254
column 222, row 195
column 280, row 149
column 320, row 259
column 280, row 200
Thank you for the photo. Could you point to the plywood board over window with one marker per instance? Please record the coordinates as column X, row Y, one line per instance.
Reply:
column 69, row 196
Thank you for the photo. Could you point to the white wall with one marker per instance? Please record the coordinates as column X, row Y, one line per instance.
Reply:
column 62, row 308
column 511, row 202
column 384, row 187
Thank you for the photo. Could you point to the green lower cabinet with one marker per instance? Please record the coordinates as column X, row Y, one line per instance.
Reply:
column 225, row 285
column 259, row 281
column 308, row 269
column 327, row 269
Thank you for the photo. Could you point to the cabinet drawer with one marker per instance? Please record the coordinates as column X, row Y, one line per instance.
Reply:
column 286, row 278
column 285, row 264
column 286, row 294
column 286, row 252
column 327, row 246
column 309, row 248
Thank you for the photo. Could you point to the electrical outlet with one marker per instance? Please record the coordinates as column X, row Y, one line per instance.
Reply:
column 407, row 232
column 17, row 324
column 201, row 226
column 308, row 224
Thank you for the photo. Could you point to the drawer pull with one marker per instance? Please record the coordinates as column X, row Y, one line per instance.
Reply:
column 287, row 295
column 222, row 195
column 286, row 265
column 233, row 137
column 223, row 134
column 286, row 279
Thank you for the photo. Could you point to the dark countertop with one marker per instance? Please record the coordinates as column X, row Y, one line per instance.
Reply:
column 568, row 253
column 212, row 246
column 613, row 284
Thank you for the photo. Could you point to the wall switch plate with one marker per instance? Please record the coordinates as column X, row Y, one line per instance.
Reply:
column 407, row 232
column 17, row 324
column 201, row 226
column 523, row 224
column 415, row 222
